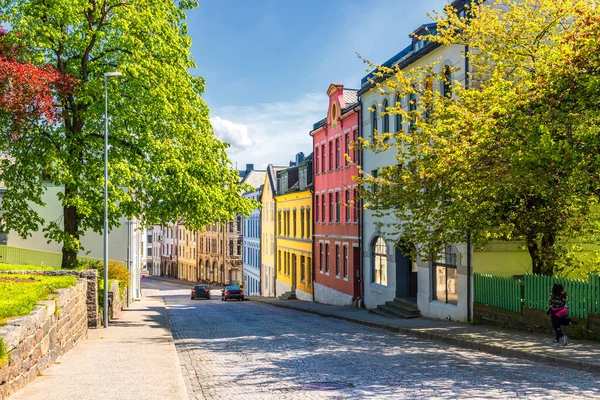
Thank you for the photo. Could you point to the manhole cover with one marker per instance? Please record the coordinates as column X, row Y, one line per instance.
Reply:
column 326, row 385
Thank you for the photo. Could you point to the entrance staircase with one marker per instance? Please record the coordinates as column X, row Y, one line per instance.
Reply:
column 399, row 308
column 288, row 296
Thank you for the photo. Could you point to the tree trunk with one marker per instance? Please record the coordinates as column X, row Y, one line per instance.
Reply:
column 548, row 254
column 71, row 227
column 534, row 253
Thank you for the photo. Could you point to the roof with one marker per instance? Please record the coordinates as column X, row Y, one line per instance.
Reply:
column 272, row 174
column 407, row 56
column 255, row 178
column 350, row 96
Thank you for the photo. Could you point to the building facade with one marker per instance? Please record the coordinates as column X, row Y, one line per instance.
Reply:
column 220, row 253
column 268, row 276
column 149, row 250
column 294, row 237
column 251, row 247
column 438, row 288
column 187, row 259
column 157, row 241
column 338, row 278
column 169, row 251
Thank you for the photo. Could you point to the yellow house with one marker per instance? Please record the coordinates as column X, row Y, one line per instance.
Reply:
column 267, row 229
column 294, row 240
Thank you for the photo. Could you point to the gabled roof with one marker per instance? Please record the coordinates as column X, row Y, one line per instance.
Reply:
column 272, row 174
column 255, row 178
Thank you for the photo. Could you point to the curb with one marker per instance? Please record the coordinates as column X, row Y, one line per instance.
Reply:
column 456, row 341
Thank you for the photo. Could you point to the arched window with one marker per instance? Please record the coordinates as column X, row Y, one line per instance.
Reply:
column 447, row 81
column 398, row 117
column 333, row 114
column 412, row 106
column 379, row 260
column 385, row 117
column 373, row 123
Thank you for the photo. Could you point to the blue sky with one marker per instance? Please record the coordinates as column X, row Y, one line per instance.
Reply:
column 268, row 63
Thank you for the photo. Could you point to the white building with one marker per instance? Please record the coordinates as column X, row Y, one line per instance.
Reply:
column 438, row 289
column 251, row 258
column 157, row 239
column 125, row 243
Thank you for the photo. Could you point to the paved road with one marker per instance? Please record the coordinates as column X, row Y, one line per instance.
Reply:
column 245, row 350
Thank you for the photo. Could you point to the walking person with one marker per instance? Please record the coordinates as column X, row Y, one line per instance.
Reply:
column 558, row 312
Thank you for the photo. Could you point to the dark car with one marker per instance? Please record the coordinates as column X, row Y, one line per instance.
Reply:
column 232, row 292
column 201, row 292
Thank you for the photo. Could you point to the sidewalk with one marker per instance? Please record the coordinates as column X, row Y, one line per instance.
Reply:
column 134, row 358
column 579, row 354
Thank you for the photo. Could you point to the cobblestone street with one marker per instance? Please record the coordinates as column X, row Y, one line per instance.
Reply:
column 254, row 351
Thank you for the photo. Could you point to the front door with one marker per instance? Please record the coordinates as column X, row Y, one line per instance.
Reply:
column 357, row 273
column 406, row 275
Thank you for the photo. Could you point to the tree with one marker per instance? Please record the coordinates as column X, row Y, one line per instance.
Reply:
column 165, row 163
column 513, row 155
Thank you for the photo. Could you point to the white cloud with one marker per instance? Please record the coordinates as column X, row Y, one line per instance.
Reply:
column 233, row 133
column 278, row 130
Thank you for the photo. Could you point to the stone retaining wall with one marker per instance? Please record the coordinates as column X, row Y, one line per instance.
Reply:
column 35, row 341
column 91, row 275
column 534, row 320
column 117, row 305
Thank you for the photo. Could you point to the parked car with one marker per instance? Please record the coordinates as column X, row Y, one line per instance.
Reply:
column 201, row 292
column 232, row 292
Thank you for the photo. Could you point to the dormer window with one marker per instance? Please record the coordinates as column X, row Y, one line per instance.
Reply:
column 418, row 45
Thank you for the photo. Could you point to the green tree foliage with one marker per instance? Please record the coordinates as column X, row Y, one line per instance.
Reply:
column 513, row 152
column 165, row 163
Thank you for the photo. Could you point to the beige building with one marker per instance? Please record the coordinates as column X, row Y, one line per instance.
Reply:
column 187, row 259
column 220, row 253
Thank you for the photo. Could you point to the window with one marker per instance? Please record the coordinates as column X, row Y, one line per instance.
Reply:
column 379, row 257
column 231, row 247
column 412, row 106
column 302, row 180
column 149, row 239
column 356, row 206
column 373, row 123
column 323, row 169
column 323, row 207
column 330, row 207
column 317, row 205
column 398, row 117
column 302, row 268
column 308, row 222
column 302, row 222
column 345, row 268
column 309, row 270
column 280, row 261
column 295, row 220
column 374, row 174
column 149, row 252
column 317, row 160
column 337, row 260
column 321, row 257
column 356, row 150
column 386, row 117
column 327, row 258
column 447, row 82
column 348, row 208
column 337, row 153
column 331, row 155
column 347, row 149
column 337, row 207
column 446, row 278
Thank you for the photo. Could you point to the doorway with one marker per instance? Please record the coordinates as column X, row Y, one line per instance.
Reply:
column 406, row 275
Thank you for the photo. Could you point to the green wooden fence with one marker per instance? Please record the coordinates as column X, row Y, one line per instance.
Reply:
column 534, row 292
column 498, row 291
column 583, row 295
column 17, row 255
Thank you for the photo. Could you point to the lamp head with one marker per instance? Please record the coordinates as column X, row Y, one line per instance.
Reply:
column 111, row 74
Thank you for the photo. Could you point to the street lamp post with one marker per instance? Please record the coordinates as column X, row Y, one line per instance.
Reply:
column 106, row 76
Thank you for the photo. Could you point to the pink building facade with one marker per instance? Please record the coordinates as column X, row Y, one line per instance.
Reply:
column 337, row 256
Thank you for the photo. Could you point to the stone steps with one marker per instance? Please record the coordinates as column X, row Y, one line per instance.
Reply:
column 288, row 296
column 398, row 308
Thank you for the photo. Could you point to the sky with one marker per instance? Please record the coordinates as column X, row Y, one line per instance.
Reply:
column 268, row 64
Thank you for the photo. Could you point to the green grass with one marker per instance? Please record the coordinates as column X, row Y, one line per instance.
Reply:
column 20, row 293
column 17, row 267
column 3, row 354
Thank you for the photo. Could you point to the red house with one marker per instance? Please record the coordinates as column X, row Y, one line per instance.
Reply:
column 336, row 249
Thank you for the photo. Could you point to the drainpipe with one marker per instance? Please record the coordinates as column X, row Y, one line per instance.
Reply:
column 360, row 209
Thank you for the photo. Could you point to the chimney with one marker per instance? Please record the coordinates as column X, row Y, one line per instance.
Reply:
column 299, row 158
column 249, row 167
